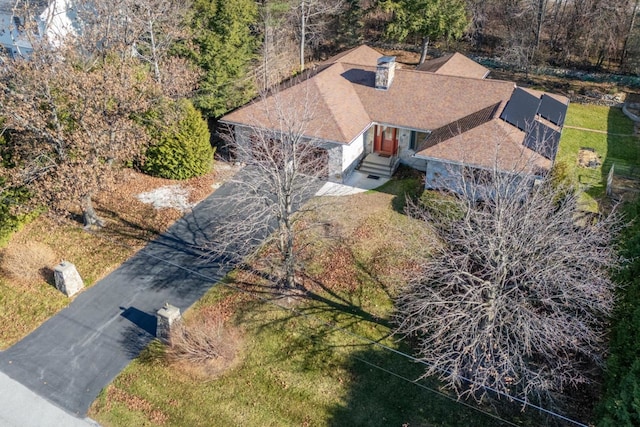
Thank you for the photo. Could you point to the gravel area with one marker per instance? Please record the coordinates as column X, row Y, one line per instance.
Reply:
column 168, row 196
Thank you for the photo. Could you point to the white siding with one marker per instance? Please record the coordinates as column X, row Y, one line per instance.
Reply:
column 442, row 175
column 352, row 152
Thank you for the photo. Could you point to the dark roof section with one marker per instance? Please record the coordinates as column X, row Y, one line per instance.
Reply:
column 521, row 109
column 542, row 139
column 552, row 110
column 459, row 126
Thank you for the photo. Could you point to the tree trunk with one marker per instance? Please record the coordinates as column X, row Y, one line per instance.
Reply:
column 425, row 48
column 265, row 48
column 632, row 23
column 288, row 241
column 303, row 35
column 89, row 216
column 289, row 263
column 542, row 6
column 154, row 52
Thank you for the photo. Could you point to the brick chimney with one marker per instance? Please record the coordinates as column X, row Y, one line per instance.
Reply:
column 385, row 71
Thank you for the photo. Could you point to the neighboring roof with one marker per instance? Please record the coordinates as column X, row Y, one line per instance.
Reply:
column 454, row 64
column 56, row 19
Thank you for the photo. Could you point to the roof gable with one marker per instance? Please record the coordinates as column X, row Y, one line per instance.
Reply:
column 454, row 64
column 337, row 113
column 492, row 143
column 361, row 55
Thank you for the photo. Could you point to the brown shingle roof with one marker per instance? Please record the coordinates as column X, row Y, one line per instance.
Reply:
column 361, row 55
column 460, row 126
column 460, row 111
column 454, row 64
column 420, row 100
column 335, row 109
column 494, row 143
column 348, row 101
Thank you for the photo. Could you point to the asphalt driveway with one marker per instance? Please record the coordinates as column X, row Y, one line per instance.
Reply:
column 78, row 352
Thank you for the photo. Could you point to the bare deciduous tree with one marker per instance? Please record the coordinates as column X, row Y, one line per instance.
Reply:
column 278, row 52
column 161, row 23
column 71, row 119
column 284, row 167
column 72, row 106
column 516, row 296
column 311, row 18
column 147, row 29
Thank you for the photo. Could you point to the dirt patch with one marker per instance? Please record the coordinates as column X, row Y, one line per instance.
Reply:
column 135, row 403
column 624, row 188
column 588, row 158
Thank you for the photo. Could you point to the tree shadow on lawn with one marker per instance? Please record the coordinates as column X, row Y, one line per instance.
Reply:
column 406, row 184
column 623, row 151
column 124, row 230
column 325, row 304
column 385, row 390
column 383, row 386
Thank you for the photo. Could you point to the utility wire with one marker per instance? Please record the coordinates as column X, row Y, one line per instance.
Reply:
column 439, row 393
column 353, row 334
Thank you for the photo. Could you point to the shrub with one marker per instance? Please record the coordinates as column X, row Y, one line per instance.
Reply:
column 205, row 344
column 182, row 147
column 12, row 199
column 28, row 262
column 621, row 401
column 11, row 220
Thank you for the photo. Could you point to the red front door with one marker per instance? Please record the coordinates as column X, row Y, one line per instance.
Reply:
column 385, row 140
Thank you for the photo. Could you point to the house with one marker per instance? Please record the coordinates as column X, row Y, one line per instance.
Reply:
column 52, row 20
column 372, row 113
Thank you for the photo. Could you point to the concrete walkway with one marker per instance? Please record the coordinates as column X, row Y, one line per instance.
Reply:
column 357, row 182
column 23, row 408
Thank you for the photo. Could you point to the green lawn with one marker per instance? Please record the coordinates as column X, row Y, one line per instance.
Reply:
column 306, row 365
column 614, row 148
column 296, row 370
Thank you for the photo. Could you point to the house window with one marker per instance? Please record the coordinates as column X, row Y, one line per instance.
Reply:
column 477, row 175
column 417, row 138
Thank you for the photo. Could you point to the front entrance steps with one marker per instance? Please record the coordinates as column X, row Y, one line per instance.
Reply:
column 379, row 165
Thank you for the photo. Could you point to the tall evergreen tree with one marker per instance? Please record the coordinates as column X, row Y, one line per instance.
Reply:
column 427, row 19
column 351, row 24
column 224, row 46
